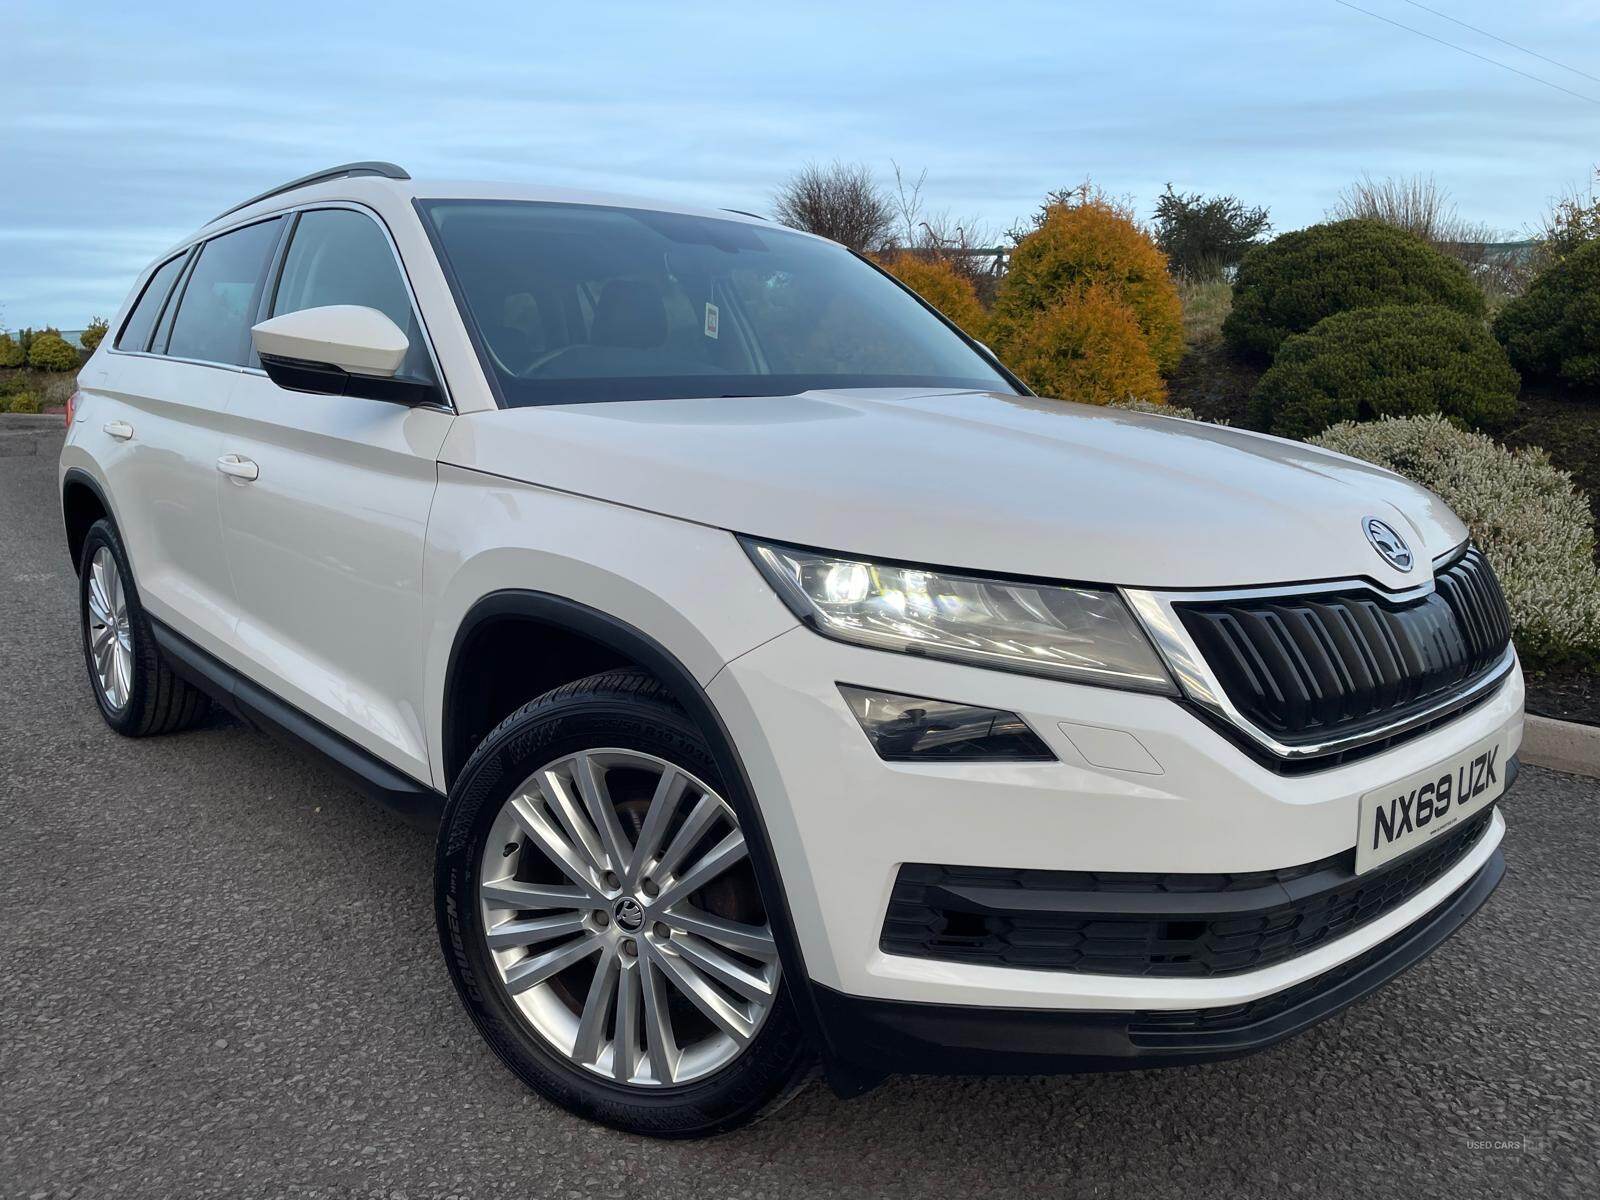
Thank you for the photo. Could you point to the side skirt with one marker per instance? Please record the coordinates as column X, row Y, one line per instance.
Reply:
column 276, row 717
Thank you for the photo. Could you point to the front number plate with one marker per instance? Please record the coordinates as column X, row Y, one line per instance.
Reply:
column 1399, row 818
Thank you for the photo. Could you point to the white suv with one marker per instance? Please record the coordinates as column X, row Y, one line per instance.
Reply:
column 795, row 686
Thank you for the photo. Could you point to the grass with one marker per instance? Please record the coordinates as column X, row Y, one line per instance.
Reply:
column 1205, row 307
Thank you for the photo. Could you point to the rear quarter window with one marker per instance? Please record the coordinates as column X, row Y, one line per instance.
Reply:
column 136, row 329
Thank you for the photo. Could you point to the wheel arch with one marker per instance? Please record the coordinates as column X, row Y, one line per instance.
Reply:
column 569, row 618
column 83, row 502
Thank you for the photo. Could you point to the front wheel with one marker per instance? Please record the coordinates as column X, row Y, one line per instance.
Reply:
column 601, row 919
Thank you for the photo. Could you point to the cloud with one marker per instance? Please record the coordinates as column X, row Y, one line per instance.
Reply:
column 128, row 126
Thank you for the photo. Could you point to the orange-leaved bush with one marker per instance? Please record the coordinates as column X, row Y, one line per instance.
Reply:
column 937, row 281
column 1087, row 347
column 1090, row 241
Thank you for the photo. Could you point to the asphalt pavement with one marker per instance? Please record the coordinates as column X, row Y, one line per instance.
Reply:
column 219, row 976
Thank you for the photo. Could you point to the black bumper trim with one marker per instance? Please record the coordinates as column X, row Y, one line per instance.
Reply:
column 868, row 1039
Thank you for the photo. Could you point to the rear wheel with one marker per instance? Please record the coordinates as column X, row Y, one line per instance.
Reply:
column 602, row 922
column 137, row 693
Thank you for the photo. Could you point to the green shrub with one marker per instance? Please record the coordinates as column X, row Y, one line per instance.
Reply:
column 1526, row 516
column 50, row 352
column 1083, row 242
column 1553, row 329
column 11, row 352
column 94, row 334
column 1398, row 361
column 23, row 402
column 1295, row 280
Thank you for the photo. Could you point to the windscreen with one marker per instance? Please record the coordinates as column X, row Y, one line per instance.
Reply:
column 573, row 303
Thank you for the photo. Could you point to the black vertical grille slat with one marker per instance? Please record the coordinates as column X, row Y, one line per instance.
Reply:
column 1311, row 668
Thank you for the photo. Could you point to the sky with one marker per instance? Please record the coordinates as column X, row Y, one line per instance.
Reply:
column 128, row 125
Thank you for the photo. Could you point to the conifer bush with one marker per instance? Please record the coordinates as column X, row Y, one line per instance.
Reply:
column 1396, row 361
column 1553, row 329
column 1087, row 347
column 941, row 285
column 1288, row 285
column 1087, row 242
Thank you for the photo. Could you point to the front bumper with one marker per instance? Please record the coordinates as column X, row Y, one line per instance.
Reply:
column 1141, row 785
column 870, row 1038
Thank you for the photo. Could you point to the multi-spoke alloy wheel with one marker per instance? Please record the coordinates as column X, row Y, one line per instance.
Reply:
column 601, row 916
column 110, row 639
column 623, row 919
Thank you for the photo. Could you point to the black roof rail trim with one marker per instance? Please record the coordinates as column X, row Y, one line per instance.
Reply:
column 387, row 170
column 741, row 212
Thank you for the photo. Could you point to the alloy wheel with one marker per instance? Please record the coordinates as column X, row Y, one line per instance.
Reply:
column 110, row 639
column 624, row 921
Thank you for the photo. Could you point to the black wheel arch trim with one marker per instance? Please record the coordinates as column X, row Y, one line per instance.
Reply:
column 570, row 616
column 76, row 476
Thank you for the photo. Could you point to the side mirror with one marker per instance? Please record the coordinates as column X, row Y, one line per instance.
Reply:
column 339, row 350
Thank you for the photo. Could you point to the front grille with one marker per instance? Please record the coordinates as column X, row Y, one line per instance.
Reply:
column 1121, row 923
column 1333, row 665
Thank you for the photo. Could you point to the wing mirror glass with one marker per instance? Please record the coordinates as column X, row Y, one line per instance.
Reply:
column 339, row 350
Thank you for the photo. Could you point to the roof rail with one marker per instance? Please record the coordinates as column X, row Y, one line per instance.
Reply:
column 741, row 213
column 385, row 169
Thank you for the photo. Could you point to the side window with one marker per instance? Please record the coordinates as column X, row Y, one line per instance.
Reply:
column 136, row 329
column 218, row 303
column 339, row 256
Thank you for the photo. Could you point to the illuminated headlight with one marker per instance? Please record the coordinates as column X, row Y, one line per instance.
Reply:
column 1086, row 635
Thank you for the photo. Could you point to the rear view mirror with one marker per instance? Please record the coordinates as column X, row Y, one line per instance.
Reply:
column 339, row 350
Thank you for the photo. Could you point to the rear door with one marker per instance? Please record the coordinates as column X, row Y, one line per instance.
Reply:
column 325, row 544
column 158, row 412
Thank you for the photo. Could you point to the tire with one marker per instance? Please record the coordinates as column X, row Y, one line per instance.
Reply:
column 624, row 725
column 138, row 695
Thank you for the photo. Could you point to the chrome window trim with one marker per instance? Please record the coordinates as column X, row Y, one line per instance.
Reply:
column 289, row 211
column 1156, row 612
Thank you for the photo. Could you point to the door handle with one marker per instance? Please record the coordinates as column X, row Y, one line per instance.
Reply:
column 120, row 430
column 238, row 467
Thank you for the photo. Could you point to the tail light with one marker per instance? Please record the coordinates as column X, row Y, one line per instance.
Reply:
column 72, row 407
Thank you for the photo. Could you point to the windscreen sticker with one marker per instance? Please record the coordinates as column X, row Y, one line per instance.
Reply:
column 711, row 320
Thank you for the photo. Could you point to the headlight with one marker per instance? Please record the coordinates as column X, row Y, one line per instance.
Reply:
column 1083, row 634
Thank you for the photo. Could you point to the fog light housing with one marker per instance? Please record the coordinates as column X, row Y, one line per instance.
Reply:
column 916, row 729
